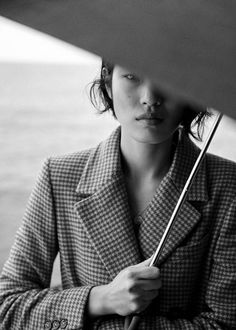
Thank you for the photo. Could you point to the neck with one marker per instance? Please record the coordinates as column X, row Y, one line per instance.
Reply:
column 143, row 160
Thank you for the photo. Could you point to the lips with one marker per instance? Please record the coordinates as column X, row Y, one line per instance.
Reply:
column 149, row 116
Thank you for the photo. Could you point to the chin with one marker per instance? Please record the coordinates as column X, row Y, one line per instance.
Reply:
column 151, row 138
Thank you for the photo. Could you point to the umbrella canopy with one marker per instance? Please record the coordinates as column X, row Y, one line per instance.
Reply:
column 186, row 47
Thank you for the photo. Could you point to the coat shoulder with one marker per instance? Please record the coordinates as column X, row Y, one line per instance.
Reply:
column 68, row 168
column 222, row 173
column 66, row 171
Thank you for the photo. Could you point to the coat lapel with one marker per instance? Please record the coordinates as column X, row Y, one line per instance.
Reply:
column 104, row 212
column 160, row 209
column 103, row 208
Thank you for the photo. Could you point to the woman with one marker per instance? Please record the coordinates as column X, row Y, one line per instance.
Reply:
column 105, row 209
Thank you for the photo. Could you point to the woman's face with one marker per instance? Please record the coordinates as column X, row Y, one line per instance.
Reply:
column 144, row 113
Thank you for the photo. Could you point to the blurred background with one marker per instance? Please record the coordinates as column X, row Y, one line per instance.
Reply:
column 45, row 110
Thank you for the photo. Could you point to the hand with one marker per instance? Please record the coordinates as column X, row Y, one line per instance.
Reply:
column 131, row 291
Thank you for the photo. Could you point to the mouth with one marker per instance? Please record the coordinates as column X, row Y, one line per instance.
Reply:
column 150, row 117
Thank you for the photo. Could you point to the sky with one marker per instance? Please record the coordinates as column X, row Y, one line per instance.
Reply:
column 22, row 44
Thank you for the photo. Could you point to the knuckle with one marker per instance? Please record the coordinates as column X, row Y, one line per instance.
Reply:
column 130, row 273
column 131, row 285
column 137, row 304
column 158, row 271
column 155, row 271
column 134, row 307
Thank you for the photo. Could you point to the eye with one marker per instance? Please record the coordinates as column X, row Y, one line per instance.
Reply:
column 131, row 76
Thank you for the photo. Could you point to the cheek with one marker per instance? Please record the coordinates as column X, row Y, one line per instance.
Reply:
column 175, row 112
column 119, row 102
column 123, row 100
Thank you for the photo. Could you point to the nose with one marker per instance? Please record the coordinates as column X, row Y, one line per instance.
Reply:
column 150, row 96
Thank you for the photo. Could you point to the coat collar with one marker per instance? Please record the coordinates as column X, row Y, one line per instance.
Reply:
column 103, row 165
column 104, row 211
column 185, row 155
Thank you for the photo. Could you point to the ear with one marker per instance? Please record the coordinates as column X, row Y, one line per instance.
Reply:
column 107, row 77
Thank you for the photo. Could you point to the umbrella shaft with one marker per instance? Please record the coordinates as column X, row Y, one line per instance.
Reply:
column 185, row 191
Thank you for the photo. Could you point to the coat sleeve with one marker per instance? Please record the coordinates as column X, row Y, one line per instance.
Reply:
column 26, row 299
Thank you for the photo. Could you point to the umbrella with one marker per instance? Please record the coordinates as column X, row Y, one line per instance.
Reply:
column 186, row 47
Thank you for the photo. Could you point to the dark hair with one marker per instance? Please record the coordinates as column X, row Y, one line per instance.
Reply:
column 98, row 91
column 193, row 120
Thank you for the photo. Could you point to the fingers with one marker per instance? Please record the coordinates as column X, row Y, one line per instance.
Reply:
column 148, row 273
column 140, row 281
column 149, row 285
column 133, row 289
column 149, row 295
column 140, row 300
column 143, row 271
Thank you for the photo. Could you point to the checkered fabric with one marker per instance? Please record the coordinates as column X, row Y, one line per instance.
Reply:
column 79, row 208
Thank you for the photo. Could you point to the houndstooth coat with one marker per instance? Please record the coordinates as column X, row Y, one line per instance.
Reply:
column 79, row 208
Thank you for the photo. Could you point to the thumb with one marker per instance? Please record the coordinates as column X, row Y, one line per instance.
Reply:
column 146, row 262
